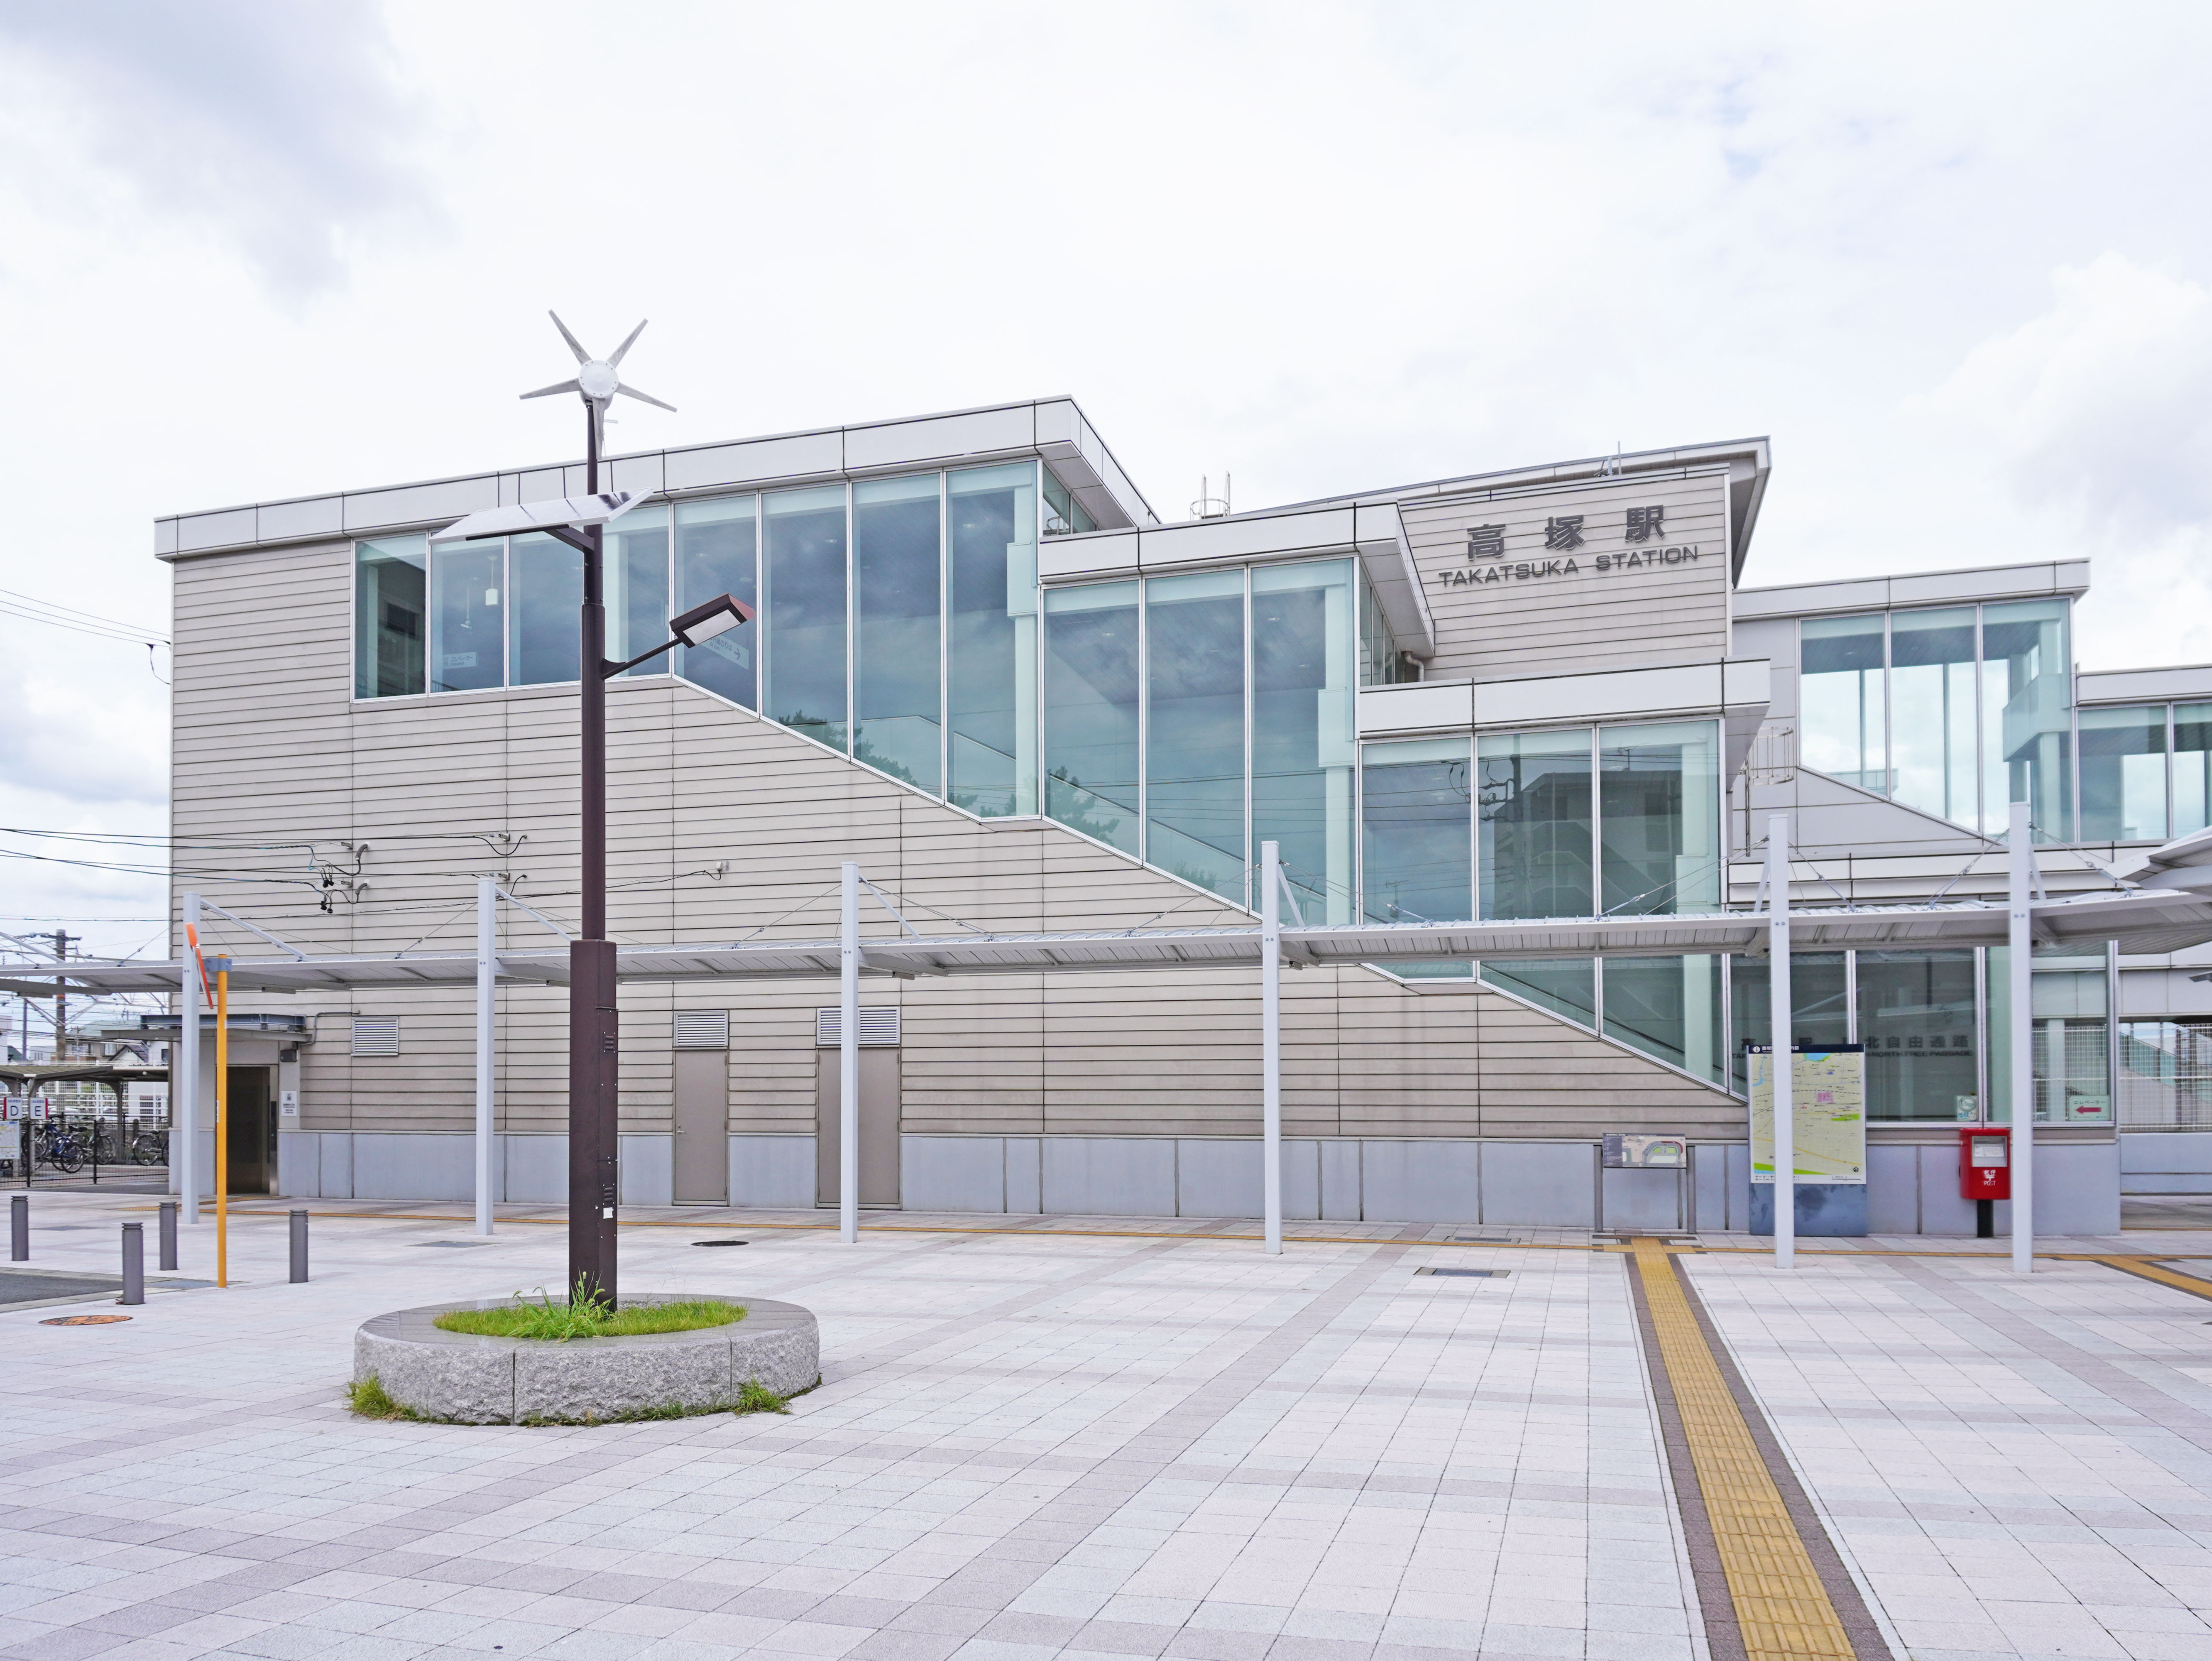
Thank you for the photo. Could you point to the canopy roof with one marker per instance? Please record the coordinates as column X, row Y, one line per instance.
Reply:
column 2145, row 922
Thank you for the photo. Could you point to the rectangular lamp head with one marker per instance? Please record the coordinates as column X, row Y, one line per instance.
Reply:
column 717, row 617
column 569, row 512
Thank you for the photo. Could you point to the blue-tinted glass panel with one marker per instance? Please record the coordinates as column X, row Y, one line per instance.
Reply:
column 1932, row 722
column 992, row 515
column 1843, row 720
column 1819, row 1009
column 1416, row 847
column 805, row 612
column 468, row 622
column 1659, row 807
column 1303, row 661
column 1194, row 730
column 1091, row 694
column 392, row 624
column 2028, row 718
column 637, row 589
column 1533, row 795
column 549, row 601
column 1916, row 1022
column 716, row 553
column 2192, row 766
column 896, row 592
column 1669, row 1008
column 2123, row 774
column 1565, row 986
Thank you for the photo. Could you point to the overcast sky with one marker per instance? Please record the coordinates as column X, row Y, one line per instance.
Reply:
column 1951, row 259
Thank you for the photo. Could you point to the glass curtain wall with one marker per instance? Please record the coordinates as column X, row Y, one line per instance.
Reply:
column 1659, row 817
column 1669, row 1008
column 389, row 612
column 1957, row 711
column 2192, row 766
column 1917, row 1020
column 468, row 649
column 1534, row 824
column 1304, row 726
column 2028, row 718
column 548, row 591
column 1565, row 986
column 2166, row 1076
column 896, row 575
column 992, row 516
column 1820, row 1000
column 717, row 552
column 1843, row 700
column 1092, row 671
column 1931, row 687
column 804, row 598
column 1419, row 863
column 1194, row 729
column 2123, row 774
column 637, row 588
column 2070, row 1044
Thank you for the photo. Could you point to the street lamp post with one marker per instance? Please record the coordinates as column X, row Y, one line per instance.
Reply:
column 594, row 1035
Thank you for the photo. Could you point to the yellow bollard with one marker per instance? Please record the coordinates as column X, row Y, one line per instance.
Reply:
column 222, row 1143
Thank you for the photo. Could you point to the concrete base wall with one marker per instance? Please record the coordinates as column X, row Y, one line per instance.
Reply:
column 2165, row 1162
column 1492, row 1183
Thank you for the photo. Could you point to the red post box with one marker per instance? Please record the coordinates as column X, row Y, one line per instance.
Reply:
column 1984, row 1163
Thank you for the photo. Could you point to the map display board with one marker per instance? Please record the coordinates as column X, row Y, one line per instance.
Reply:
column 1827, row 1094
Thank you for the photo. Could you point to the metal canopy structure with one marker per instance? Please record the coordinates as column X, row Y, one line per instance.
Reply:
column 2142, row 923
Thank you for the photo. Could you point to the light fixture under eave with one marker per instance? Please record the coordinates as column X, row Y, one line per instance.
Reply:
column 717, row 617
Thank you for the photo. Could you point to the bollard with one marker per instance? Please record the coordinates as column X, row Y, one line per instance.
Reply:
column 19, row 1228
column 298, row 1247
column 168, row 1234
column 134, row 1262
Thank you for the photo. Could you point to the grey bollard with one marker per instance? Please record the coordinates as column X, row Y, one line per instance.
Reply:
column 134, row 1262
column 19, row 1228
column 168, row 1234
column 298, row 1247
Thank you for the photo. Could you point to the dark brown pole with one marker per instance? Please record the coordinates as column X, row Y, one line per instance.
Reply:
column 595, row 1062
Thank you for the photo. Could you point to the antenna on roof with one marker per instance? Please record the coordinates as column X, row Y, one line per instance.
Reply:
column 1209, row 506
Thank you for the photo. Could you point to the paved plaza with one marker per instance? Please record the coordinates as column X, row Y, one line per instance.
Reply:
column 1098, row 1436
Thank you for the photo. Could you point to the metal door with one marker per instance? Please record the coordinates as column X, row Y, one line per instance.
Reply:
column 250, row 1131
column 702, row 1126
column 879, row 1127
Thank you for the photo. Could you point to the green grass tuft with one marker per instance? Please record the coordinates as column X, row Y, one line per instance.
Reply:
column 757, row 1397
column 583, row 1318
column 369, row 1399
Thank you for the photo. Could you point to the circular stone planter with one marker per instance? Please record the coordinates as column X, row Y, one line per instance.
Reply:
column 503, row 1381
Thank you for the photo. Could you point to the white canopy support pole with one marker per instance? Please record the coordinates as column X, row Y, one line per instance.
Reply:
column 1780, row 1062
column 848, row 1059
column 1271, row 1044
column 185, row 1067
column 2020, row 943
column 486, row 980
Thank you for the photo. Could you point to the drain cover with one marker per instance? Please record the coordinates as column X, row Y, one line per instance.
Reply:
column 718, row 1243
column 83, row 1320
column 453, row 1245
column 1469, row 1273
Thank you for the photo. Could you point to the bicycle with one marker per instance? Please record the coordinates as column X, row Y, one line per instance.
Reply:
column 60, row 1149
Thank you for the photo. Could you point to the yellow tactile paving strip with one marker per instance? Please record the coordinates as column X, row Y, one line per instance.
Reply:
column 2193, row 1285
column 1782, row 1609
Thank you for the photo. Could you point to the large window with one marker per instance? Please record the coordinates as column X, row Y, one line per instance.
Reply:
column 638, row 588
column 1092, row 711
column 1418, row 862
column 1957, row 711
column 548, row 594
column 1303, row 721
column 1819, row 1005
column 896, row 692
column 1194, row 728
column 1916, row 1020
column 804, row 561
column 2070, row 1042
column 468, row 625
column 1533, row 819
column 2146, row 770
column 391, row 621
column 1659, row 792
column 992, row 512
column 717, row 552
column 2166, row 1076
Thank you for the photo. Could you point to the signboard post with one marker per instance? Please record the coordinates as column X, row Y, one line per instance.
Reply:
column 1827, row 1101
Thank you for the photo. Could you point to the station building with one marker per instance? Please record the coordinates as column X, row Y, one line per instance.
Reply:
column 986, row 668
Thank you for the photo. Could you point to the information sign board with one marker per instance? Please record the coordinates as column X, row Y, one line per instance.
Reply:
column 1827, row 1094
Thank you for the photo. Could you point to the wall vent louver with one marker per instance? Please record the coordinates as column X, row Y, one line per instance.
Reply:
column 878, row 1027
column 702, row 1029
column 376, row 1034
